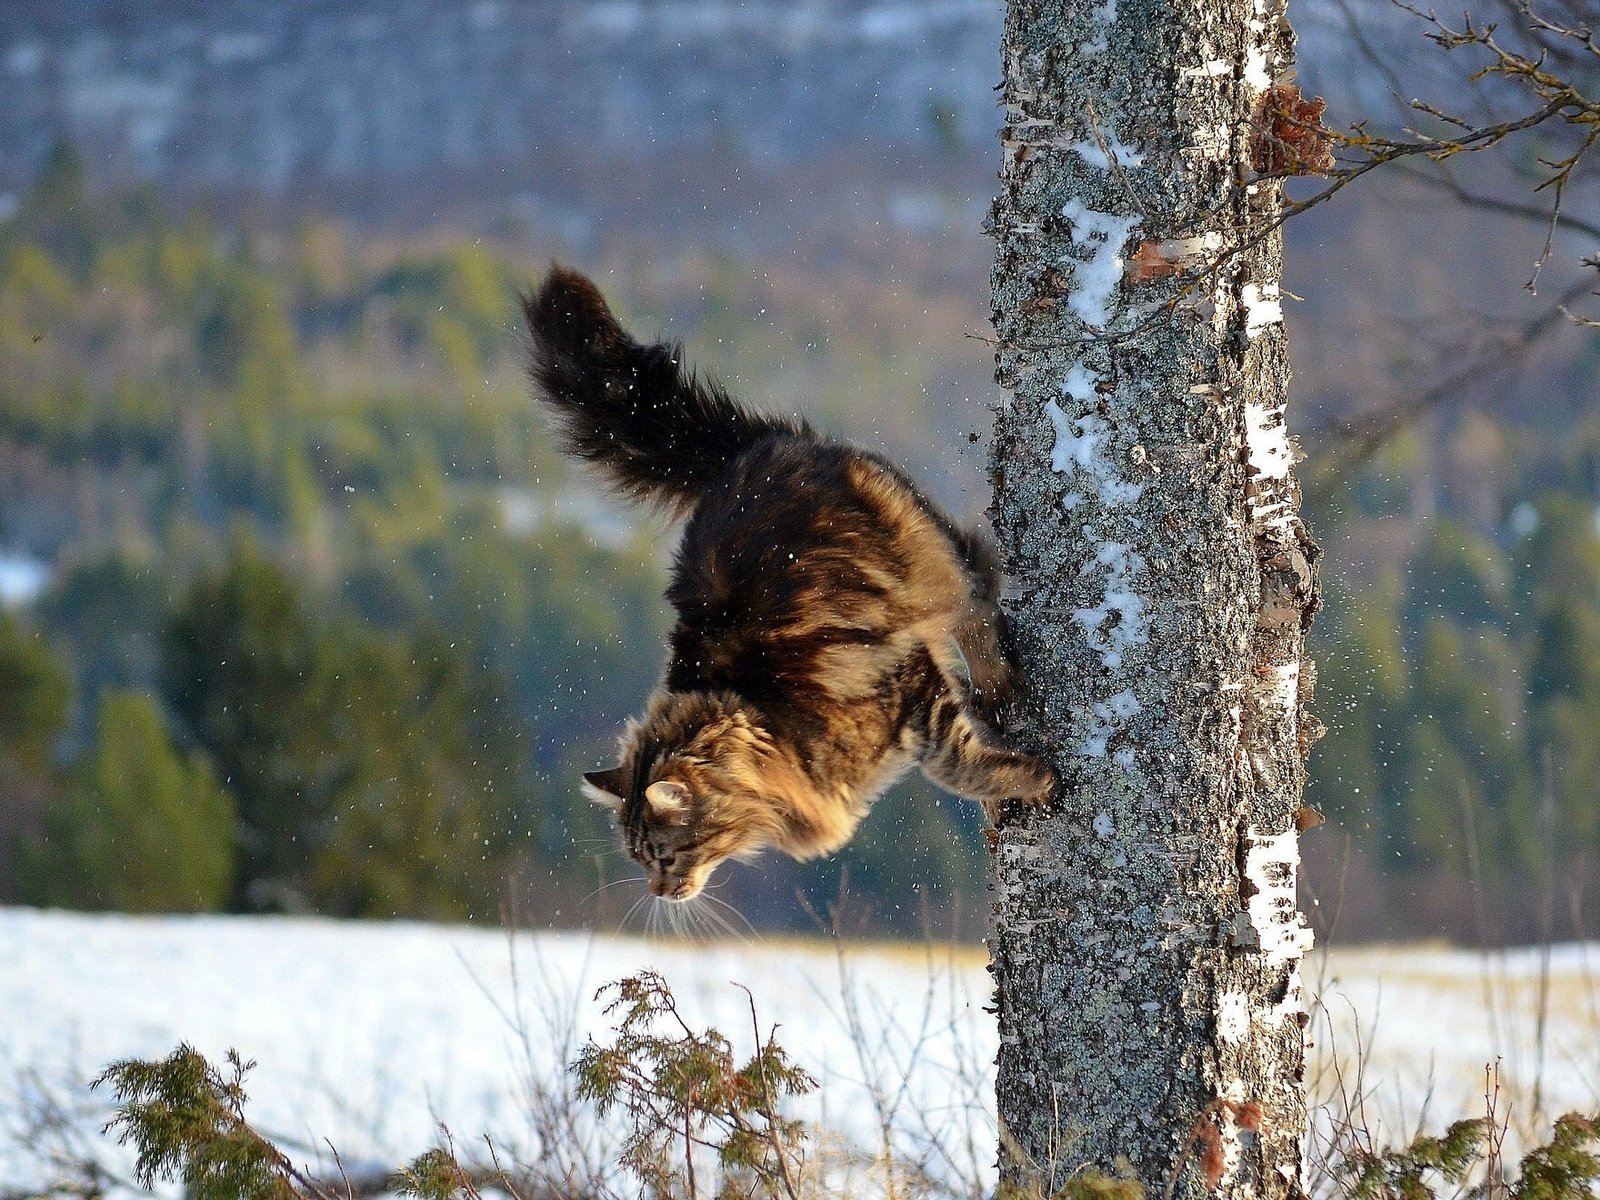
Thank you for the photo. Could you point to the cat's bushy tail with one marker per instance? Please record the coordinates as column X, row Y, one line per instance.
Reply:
column 656, row 430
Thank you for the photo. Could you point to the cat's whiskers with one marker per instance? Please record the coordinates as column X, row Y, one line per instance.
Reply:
column 612, row 884
column 675, row 917
column 712, row 924
column 723, row 923
column 694, row 917
column 632, row 908
column 660, row 918
column 684, row 919
column 693, row 921
column 709, row 926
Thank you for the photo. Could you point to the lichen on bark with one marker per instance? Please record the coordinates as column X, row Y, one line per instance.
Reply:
column 1144, row 941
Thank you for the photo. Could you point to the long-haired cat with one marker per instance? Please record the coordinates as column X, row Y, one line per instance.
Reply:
column 834, row 626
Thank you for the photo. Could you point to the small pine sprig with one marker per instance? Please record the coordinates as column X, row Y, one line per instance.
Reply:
column 1404, row 1173
column 186, row 1122
column 436, row 1175
column 1088, row 1184
column 1564, row 1168
column 1097, row 1185
column 683, row 1091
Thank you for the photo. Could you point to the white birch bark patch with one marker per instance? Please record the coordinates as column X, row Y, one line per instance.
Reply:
column 1233, row 1016
column 1267, row 441
column 1263, row 307
column 1272, row 863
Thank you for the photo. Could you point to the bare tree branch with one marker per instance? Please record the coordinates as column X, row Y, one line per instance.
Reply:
column 1351, row 444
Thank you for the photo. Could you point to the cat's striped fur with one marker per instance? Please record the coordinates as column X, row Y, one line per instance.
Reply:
column 834, row 627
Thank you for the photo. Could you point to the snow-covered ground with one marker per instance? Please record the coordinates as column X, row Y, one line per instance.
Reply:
column 370, row 1035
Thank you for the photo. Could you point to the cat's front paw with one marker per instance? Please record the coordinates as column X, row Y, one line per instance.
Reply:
column 1041, row 785
column 1034, row 784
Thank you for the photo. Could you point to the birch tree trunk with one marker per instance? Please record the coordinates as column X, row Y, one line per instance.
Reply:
column 1146, row 945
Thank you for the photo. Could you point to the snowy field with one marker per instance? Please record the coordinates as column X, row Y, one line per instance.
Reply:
column 369, row 1036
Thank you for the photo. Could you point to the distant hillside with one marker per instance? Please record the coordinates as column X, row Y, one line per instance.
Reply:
column 274, row 95
column 270, row 93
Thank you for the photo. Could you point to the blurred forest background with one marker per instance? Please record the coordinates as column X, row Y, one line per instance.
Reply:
column 303, row 613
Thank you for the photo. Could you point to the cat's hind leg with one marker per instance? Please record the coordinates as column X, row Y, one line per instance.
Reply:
column 986, row 650
column 962, row 753
column 981, row 632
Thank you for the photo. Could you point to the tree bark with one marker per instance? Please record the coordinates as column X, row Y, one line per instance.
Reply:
column 1145, row 940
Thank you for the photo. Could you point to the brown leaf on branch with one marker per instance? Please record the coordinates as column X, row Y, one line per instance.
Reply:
column 1151, row 261
column 1287, row 136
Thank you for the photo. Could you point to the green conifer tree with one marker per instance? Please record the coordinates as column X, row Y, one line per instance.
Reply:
column 37, row 693
column 142, row 828
column 237, row 661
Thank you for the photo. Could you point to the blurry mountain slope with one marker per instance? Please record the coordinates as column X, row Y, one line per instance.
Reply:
column 240, row 94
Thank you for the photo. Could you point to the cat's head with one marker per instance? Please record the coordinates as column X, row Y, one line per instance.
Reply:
column 690, row 792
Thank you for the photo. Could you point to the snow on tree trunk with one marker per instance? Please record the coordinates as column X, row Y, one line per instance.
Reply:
column 1146, row 945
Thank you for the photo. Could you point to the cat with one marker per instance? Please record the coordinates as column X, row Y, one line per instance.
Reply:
column 834, row 627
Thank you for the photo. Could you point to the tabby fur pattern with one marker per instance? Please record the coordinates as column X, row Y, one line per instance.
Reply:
column 834, row 627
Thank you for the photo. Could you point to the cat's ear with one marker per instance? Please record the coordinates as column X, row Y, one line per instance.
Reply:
column 606, row 787
column 668, row 800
